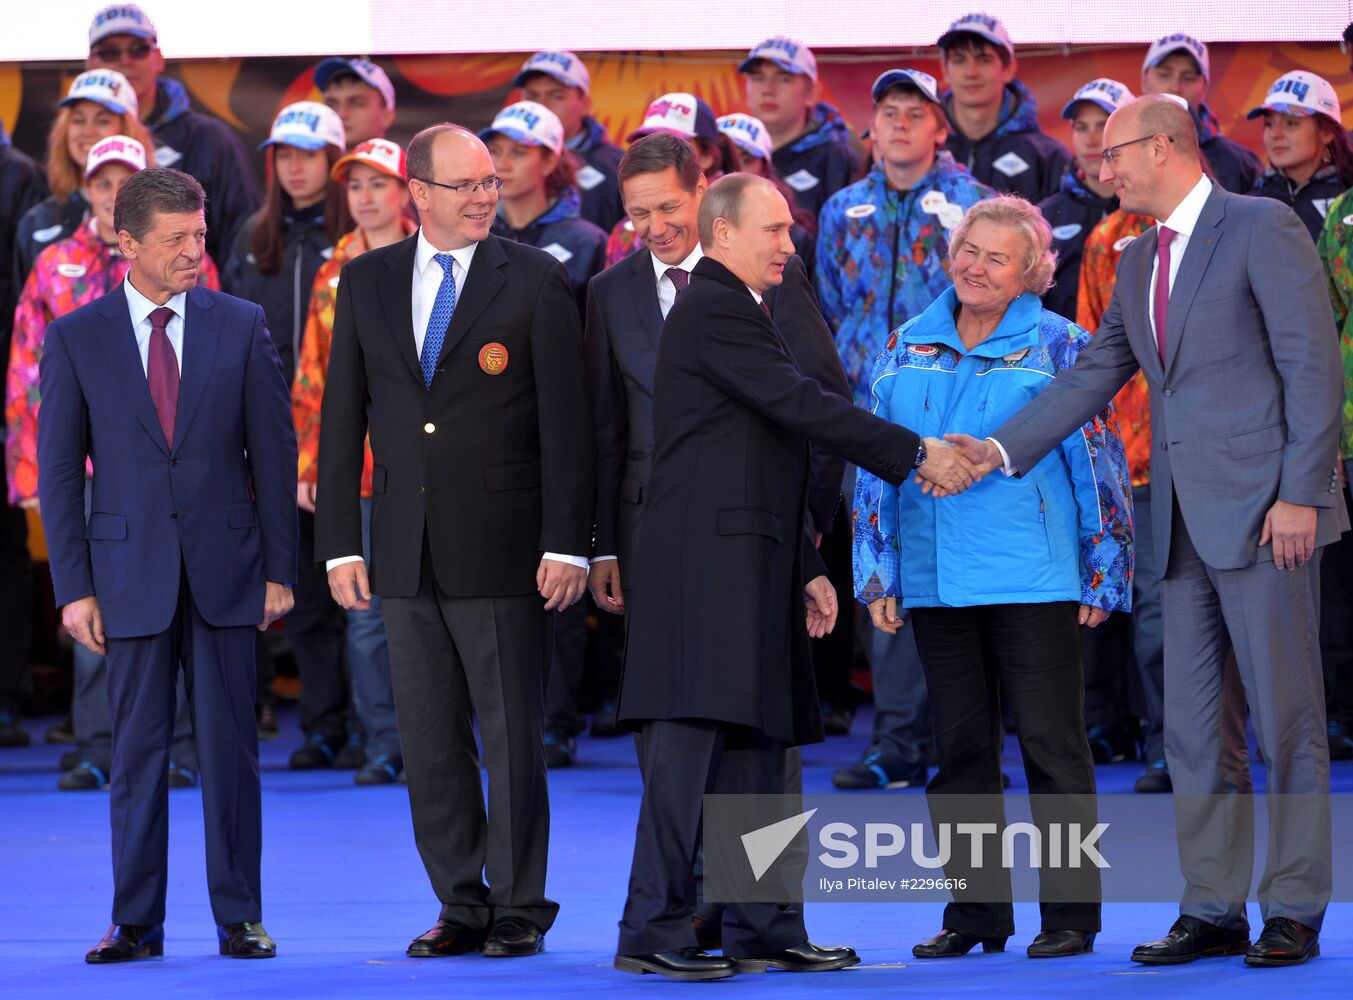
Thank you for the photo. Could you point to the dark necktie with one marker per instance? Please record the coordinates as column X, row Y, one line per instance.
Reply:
column 1161, row 303
column 765, row 309
column 162, row 372
column 679, row 279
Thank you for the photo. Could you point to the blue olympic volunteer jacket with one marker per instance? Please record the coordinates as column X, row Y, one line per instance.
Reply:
column 820, row 162
column 1072, row 213
column 598, row 182
column 1235, row 168
column 1017, row 157
column 567, row 237
column 1310, row 200
column 880, row 257
column 1060, row 532
column 48, row 222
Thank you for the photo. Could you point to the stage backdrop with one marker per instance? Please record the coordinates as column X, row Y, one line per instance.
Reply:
column 469, row 88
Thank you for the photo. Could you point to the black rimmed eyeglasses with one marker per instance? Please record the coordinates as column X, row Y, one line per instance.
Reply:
column 469, row 187
column 1110, row 153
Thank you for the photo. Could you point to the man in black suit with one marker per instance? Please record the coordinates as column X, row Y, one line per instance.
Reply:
column 718, row 677
column 474, row 393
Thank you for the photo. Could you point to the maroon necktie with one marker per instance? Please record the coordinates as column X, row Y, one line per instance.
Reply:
column 162, row 372
column 1161, row 304
column 765, row 308
column 679, row 279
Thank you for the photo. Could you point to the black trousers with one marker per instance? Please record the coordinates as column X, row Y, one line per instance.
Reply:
column 16, row 624
column 455, row 661
column 218, row 670
column 316, row 628
column 1030, row 655
column 572, row 669
column 834, row 653
column 681, row 761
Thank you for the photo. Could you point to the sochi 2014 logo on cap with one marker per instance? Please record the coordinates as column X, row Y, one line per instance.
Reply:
column 973, row 20
column 1198, row 49
column 298, row 116
column 529, row 117
column 561, row 59
column 121, row 14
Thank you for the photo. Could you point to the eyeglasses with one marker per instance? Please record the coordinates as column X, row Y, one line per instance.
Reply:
column 1110, row 153
column 114, row 53
column 487, row 184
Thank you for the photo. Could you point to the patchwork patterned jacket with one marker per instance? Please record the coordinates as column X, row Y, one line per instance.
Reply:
column 1336, row 250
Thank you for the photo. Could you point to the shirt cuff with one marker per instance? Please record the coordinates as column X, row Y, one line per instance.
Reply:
column 1006, row 467
column 331, row 563
column 579, row 561
column 597, row 559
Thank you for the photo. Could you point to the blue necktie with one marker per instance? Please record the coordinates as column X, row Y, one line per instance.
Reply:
column 442, row 310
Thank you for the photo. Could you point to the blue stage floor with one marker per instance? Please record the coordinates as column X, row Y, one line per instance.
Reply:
column 344, row 891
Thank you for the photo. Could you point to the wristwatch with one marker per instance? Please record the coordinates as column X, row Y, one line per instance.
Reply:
column 920, row 457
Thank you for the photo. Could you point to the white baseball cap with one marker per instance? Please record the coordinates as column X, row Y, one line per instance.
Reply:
column 121, row 19
column 1301, row 94
column 565, row 67
column 1178, row 42
column 378, row 154
column 748, row 134
column 529, row 123
column 789, row 55
column 115, row 149
column 983, row 26
column 914, row 78
column 364, row 69
column 306, row 125
column 107, row 87
column 681, row 114
column 1108, row 94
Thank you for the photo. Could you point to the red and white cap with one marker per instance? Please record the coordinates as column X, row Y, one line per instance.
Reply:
column 378, row 154
column 115, row 149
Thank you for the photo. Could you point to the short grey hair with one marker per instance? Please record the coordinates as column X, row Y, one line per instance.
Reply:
column 723, row 200
column 418, row 157
column 151, row 192
column 1013, row 212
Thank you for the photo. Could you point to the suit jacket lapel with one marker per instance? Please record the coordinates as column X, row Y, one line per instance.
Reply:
column 201, row 336
column 395, row 289
column 118, row 342
column 1137, row 307
column 1197, row 255
column 481, row 285
column 644, row 293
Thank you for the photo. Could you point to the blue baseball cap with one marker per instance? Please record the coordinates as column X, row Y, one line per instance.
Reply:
column 107, row 87
column 984, row 26
column 529, row 123
column 364, row 69
column 789, row 55
column 565, row 67
column 1107, row 94
column 913, row 78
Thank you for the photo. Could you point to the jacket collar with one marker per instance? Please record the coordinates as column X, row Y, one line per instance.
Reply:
column 1018, row 329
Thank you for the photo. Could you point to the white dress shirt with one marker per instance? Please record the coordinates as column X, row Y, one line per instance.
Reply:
column 667, row 290
column 427, row 280
column 1183, row 221
column 141, row 308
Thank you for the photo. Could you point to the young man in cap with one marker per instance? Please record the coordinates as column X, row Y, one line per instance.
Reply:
column 810, row 137
column 1082, row 198
column 1178, row 64
column 362, row 95
column 560, row 81
column 880, row 261
column 995, row 130
column 123, row 38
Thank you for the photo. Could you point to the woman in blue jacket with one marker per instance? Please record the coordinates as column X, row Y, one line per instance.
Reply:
column 1000, row 578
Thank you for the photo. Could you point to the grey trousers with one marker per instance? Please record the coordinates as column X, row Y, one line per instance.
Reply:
column 1272, row 617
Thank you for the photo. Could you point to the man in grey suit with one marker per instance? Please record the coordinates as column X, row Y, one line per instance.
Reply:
column 1223, row 308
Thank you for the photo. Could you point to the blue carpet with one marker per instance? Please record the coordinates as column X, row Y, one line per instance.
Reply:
column 344, row 891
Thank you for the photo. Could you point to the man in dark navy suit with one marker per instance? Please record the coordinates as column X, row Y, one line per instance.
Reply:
column 176, row 394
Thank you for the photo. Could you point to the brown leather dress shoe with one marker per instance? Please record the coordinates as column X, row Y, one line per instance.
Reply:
column 126, row 943
column 447, row 937
column 1284, row 942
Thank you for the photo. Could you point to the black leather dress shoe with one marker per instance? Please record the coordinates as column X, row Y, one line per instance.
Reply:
column 513, row 937
column 806, row 957
column 688, row 963
column 1190, row 939
column 954, row 944
column 245, row 940
column 447, row 938
column 1059, row 944
column 126, row 943
column 1284, row 942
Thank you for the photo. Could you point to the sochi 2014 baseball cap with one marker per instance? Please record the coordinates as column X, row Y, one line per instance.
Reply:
column 306, row 125
column 1178, row 42
column 115, row 149
column 378, row 154
column 924, row 83
column 983, row 26
column 364, row 69
column 565, row 67
column 748, row 134
column 1107, row 94
column 1300, row 94
column 529, row 123
column 789, row 55
column 681, row 114
column 121, row 19
column 107, row 87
